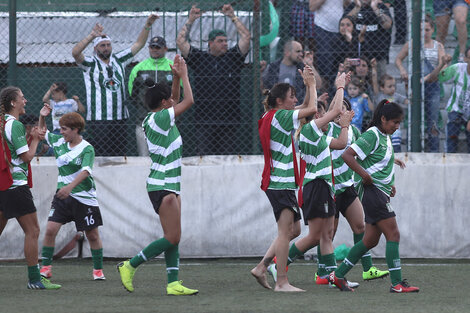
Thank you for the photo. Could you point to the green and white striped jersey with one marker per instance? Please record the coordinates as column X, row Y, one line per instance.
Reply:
column 71, row 162
column 165, row 147
column 105, row 87
column 315, row 151
column 282, row 125
column 15, row 136
column 343, row 174
column 460, row 94
column 375, row 154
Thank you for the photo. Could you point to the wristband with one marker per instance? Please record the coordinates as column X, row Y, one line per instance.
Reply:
column 339, row 88
column 148, row 28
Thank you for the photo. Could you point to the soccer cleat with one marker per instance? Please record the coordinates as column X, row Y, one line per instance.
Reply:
column 272, row 270
column 403, row 287
column 98, row 275
column 177, row 289
column 44, row 283
column 46, row 271
column 351, row 284
column 126, row 271
column 341, row 283
column 374, row 273
column 321, row 280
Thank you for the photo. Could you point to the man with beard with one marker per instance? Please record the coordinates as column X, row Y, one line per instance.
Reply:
column 145, row 74
column 285, row 70
column 216, row 76
column 103, row 75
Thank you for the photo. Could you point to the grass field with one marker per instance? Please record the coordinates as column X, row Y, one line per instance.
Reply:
column 225, row 285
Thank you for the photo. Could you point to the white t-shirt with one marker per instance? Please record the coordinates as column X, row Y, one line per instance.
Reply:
column 60, row 108
column 329, row 14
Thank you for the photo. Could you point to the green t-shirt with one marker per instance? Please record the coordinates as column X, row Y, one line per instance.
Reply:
column 15, row 136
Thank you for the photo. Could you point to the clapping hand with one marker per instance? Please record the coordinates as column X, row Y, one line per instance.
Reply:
column 46, row 110
column 179, row 67
column 345, row 118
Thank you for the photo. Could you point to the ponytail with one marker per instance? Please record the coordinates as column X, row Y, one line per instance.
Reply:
column 278, row 91
column 7, row 95
column 387, row 109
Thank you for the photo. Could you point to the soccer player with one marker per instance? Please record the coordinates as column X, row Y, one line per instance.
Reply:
column 163, row 183
column 280, row 176
column 16, row 200
column 347, row 202
column 75, row 199
column 374, row 178
column 318, row 205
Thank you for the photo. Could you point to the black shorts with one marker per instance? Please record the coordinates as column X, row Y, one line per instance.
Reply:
column 283, row 199
column 156, row 197
column 376, row 205
column 16, row 202
column 344, row 200
column 318, row 201
column 70, row 209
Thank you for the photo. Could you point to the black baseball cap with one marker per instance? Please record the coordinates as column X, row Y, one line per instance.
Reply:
column 157, row 41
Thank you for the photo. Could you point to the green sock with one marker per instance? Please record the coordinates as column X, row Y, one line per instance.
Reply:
column 33, row 273
column 321, row 264
column 47, row 254
column 366, row 259
column 330, row 262
column 294, row 253
column 392, row 255
column 172, row 259
column 151, row 251
column 97, row 257
column 353, row 256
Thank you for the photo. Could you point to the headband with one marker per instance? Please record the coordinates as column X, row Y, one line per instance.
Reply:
column 100, row 39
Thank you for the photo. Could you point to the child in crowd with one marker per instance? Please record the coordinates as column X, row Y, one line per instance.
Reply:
column 360, row 101
column 60, row 104
column 387, row 87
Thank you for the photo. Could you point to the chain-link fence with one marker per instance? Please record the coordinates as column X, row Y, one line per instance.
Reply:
column 226, row 83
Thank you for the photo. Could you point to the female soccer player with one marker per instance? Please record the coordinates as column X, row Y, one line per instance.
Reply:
column 16, row 200
column 75, row 199
column 163, row 183
column 375, row 181
column 318, row 192
column 280, row 176
column 347, row 202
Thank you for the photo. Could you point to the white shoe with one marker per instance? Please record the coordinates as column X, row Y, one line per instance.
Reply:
column 351, row 284
column 272, row 270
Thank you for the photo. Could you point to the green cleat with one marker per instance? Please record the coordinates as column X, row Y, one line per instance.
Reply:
column 177, row 289
column 374, row 273
column 126, row 271
column 44, row 283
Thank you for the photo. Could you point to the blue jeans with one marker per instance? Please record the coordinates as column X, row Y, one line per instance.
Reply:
column 454, row 125
column 431, row 113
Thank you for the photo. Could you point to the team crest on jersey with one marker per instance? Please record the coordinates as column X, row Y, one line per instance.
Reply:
column 112, row 84
column 78, row 161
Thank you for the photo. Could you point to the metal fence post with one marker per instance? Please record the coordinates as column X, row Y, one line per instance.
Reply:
column 12, row 67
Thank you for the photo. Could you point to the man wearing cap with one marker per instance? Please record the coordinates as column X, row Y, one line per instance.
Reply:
column 216, row 81
column 154, row 69
column 103, row 75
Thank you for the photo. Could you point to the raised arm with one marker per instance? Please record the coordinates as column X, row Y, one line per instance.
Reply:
column 182, row 40
column 309, row 108
column 336, row 103
column 81, row 107
column 45, row 111
column 175, row 84
column 144, row 33
column 314, row 5
column 245, row 36
column 37, row 135
column 47, row 95
column 342, row 140
column 77, row 51
column 399, row 62
column 374, row 79
column 182, row 71
column 384, row 20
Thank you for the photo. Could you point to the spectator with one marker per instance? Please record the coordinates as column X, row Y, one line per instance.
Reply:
column 301, row 23
column 30, row 121
column 360, row 101
column 103, row 75
column 458, row 105
column 60, row 104
column 399, row 19
column 286, row 70
column 216, row 81
column 376, row 17
column 443, row 9
column 433, row 52
column 327, row 16
column 367, row 72
column 152, row 70
column 387, row 85
column 350, row 40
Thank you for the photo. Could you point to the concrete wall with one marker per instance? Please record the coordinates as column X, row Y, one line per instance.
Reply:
column 225, row 213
